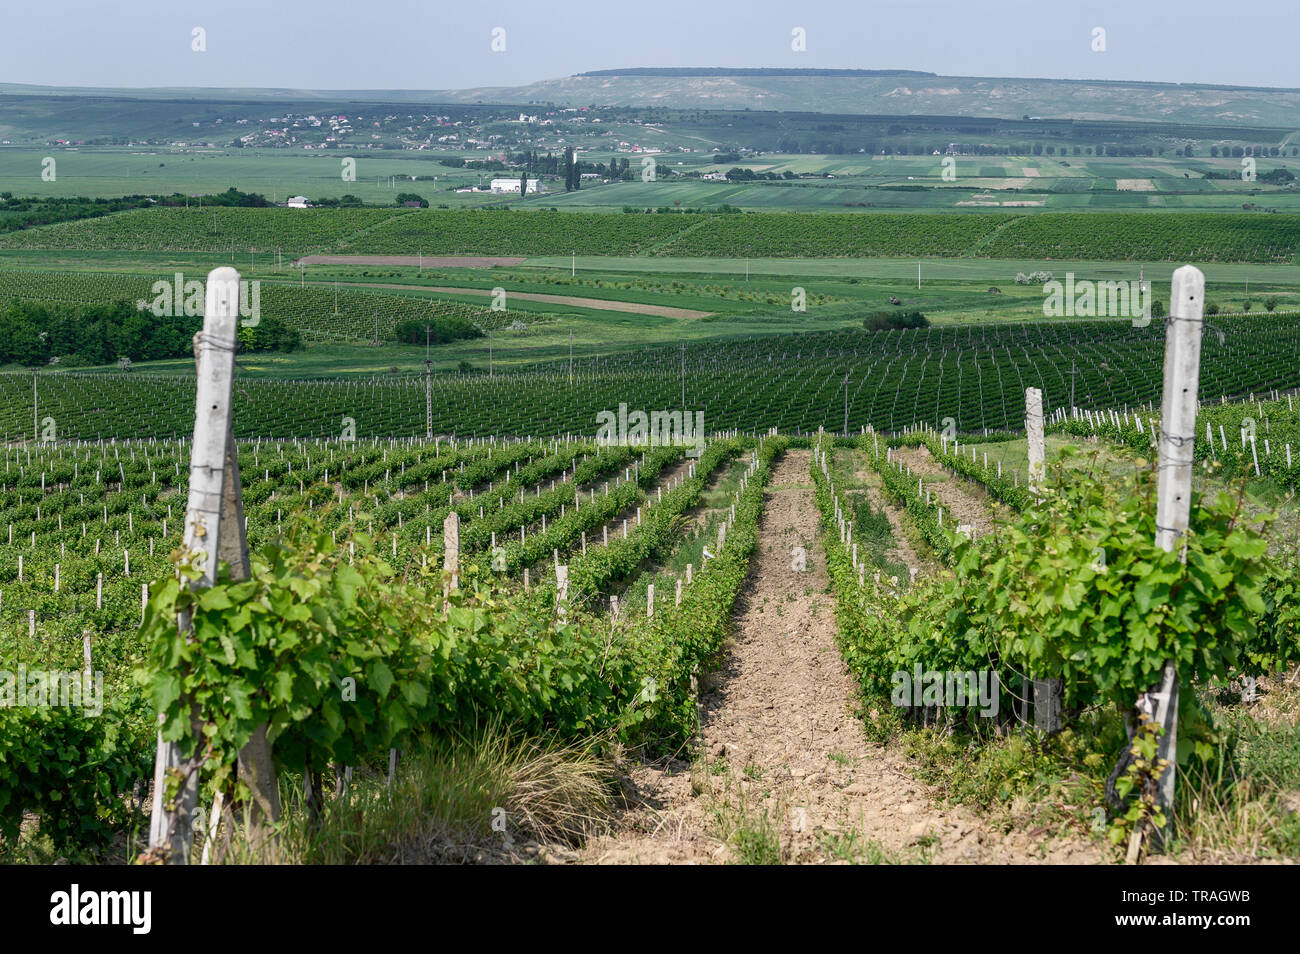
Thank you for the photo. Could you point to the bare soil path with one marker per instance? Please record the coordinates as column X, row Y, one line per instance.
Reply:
column 960, row 502
column 786, row 772
column 574, row 301
column 902, row 550
column 427, row 261
column 672, row 475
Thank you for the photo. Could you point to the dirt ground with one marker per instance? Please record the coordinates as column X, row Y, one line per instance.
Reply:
column 902, row 551
column 428, row 261
column 669, row 478
column 574, row 301
column 959, row 501
column 596, row 304
column 786, row 769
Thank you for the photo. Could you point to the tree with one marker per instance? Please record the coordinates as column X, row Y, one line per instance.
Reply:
column 523, row 184
column 569, row 173
column 269, row 334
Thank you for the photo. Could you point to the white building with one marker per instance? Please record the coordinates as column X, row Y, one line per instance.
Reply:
column 298, row 202
column 507, row 186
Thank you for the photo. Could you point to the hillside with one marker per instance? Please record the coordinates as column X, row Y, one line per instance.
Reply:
column 899, row 93
column 886, row 92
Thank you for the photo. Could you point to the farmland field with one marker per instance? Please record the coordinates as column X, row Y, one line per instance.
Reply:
column 821, row 466
column 341, row 482
column 799, row 383
column 826, row 182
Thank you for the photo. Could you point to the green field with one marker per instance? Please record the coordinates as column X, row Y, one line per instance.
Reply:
column 825, row 182
column 469, row 611
column 1201, row 237
column 975, row 375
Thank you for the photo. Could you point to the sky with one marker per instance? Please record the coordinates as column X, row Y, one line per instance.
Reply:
column 434, row 44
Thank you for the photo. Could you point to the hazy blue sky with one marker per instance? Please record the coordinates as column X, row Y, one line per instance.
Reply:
column 388, row 44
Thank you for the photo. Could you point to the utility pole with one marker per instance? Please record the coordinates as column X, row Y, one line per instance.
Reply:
column 489, row 354
column 1071, row 385
column 35, row 414
column 428, row 389
column 570, row 357
column 573, row 265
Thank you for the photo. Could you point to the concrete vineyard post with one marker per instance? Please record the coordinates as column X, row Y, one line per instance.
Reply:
column 1034, row 433
column 1174, row 495
column 1047, row 701
column 171, row 822
column 1046, row 693
column 451, row 548
column 561, row 589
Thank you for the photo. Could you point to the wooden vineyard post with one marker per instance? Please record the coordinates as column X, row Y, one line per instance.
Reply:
column 170, row 825
column 254, row 764
column 1173, row 505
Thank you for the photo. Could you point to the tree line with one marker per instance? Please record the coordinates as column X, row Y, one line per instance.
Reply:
column 35, row 334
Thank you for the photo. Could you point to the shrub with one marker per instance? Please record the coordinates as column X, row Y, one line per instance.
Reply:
column 893, row 320
column 440, row 330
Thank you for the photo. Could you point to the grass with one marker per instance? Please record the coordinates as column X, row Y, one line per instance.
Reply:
column 1262, row 495
column 455, row 799
column 872, row 530
column 700, row 529
column 1240, row 806
column 854, row 849
column 746, row 829
column 1246, row 804
column 487, row 795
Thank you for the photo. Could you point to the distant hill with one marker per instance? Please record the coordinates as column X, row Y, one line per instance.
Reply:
column 907, row 92
column 745, row 71
column 878, row 92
